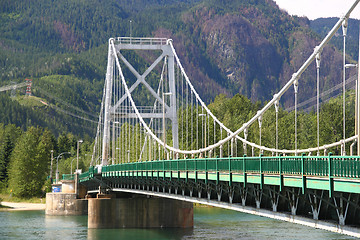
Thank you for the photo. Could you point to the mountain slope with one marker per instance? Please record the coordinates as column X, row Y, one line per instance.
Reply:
column 249, row 47
column 323, row 25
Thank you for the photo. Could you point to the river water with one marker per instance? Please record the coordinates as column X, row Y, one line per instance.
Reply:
column 209, row 223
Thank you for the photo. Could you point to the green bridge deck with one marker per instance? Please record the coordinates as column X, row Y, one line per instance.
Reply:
column 332, row 173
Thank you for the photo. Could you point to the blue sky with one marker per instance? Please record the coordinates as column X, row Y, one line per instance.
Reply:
column 318, row 8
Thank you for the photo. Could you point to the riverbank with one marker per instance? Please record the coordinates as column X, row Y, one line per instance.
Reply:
column 22, row 206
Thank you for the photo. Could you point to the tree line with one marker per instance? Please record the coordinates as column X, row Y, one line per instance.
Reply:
column 25, row 159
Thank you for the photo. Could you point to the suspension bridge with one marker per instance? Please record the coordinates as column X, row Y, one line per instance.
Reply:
column 156, row 137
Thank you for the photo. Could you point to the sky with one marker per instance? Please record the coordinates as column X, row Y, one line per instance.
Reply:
column 319, row 8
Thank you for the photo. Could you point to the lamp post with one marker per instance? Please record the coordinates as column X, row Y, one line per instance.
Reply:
column 71, row 172
column 51, row 164
column 77, row 154
column 71, row 165
column 57, row 165
column 163, row 103
column 77, row 169
column 130, row 30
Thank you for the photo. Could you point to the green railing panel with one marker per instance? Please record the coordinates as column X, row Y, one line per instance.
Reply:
column 190, row 163
column 291, row 165
column 209, row 164
column 252, row 164
column 200, row 164
column 68, row 176
column 223, row 164
column 84, row 176
column 237, row 164
column 182, row 165
column 270, row 165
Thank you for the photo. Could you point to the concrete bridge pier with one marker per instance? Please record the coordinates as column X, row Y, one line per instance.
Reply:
column 139, row 212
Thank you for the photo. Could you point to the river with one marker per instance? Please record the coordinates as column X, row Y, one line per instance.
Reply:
column 209, row 223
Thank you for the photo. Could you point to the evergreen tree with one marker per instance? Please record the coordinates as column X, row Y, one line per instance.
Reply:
column 10, row 135
column 29, row 163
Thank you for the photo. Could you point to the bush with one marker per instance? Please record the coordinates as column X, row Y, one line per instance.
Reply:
column 46, row 187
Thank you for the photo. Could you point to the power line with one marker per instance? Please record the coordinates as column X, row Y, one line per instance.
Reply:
column 71, row 114
column 323, row 94
column 46, row 93
column 13, row 86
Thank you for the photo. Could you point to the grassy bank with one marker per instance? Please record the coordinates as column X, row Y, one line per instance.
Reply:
column 9, row 198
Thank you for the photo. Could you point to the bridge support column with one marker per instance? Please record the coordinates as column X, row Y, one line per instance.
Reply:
column 274, row 197
column 258, row 196
column 219, row 190
column 231, row 192
column 315, row 205
column 64, row 204
column 342, row 210
column 243, row 195
column 293, row 199
column 139, row 212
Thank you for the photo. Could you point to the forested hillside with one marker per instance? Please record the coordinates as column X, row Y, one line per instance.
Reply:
column 249, row 47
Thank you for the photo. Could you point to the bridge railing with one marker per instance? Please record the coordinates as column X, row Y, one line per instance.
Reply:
column 340, row 166
column 85, row 176
column 68, row 176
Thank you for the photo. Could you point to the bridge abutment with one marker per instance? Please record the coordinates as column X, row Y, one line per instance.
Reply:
column 65, row 204
column 139, row 212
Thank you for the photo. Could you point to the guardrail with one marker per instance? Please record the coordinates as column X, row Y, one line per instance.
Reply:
column 340, row 166
column 68, row 176
column 85, row 176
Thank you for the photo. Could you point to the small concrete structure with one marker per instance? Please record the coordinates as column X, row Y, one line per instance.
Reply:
column 68, row 186
column 139, row 212
column 65, row 204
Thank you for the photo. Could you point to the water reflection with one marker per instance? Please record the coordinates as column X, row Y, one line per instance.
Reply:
column 65, row 227
column 135, row 234
column 210, row 223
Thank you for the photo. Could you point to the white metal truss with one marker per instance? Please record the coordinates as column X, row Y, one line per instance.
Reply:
column 115, row 47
